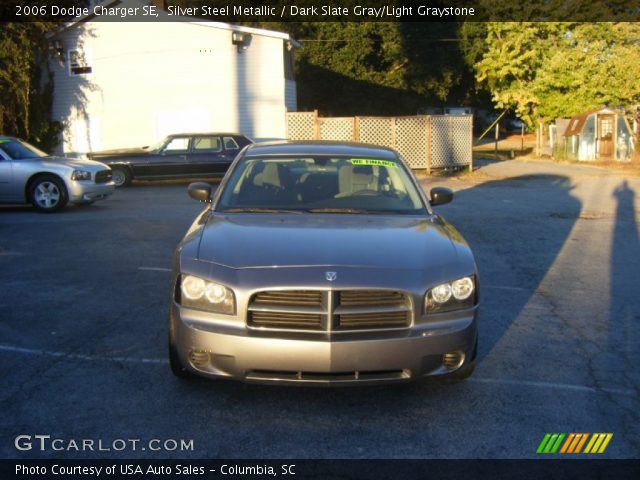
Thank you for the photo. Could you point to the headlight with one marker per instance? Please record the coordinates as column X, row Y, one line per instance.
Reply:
column 201, row 294
column 80, row 175
column 455, row 295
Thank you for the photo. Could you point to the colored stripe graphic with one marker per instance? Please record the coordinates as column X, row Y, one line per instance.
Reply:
column 582, row 442
column 598, row 442
column 543, row 443
column 551, row 442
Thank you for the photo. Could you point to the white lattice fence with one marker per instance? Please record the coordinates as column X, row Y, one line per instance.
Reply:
column 411, row 140
column 337, row 128
column 377, row 131
column 301, row 125
column 429, row 142
column 440, row 146
column 461, row 139
column 451, row 140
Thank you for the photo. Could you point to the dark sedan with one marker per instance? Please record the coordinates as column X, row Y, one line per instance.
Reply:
column 322, row 264
column 184, row 155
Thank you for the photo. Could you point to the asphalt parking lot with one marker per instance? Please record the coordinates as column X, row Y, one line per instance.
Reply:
column 84, row 302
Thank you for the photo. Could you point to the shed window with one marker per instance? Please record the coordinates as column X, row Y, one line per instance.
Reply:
column 79, row 63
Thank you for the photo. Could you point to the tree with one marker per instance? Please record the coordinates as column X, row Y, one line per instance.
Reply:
column 25, row 88
column 544, row 70
column 377, row 67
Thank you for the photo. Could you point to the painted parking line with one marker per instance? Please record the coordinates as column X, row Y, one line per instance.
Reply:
column 557, row 386
column 76, row 356
column 154, row 269
column 474, row 379
column 503, row 287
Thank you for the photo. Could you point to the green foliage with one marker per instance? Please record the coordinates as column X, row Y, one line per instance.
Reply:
column 383, row 67
column 547, row 70
column 25, row 90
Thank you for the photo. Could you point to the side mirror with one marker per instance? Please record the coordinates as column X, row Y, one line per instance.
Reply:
column 200, row 191
column 440, row 195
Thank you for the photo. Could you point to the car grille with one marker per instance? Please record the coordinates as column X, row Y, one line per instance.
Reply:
column 317, row 310
column 103, row 176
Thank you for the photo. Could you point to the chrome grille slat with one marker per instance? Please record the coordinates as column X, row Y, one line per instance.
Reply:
column 348, row 298
column 372, row 310
column 373, row 320
column 290, row 297
column 285, row 320
column 264, row 307
column 309, row 310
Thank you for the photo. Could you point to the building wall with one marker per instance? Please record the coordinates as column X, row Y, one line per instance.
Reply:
column 150, row 79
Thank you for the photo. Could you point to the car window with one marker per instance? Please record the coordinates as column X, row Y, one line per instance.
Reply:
column 177, row 145
column 207, row 144
column 230, row 144
column 18, row 150
column 322, row 185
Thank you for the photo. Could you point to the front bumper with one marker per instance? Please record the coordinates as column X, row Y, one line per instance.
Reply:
column 345, row 358
column 86, row 192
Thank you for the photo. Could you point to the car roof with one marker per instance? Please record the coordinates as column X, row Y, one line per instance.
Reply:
column 206, row 134
column 319, row 147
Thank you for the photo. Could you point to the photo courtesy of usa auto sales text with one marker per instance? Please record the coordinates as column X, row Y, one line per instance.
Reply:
column 109, row 470
column 137, row 469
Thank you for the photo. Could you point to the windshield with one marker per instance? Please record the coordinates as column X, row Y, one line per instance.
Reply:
column 320, row 185
column 17, row 149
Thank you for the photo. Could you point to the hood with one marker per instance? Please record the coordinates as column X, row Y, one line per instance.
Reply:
column 374, row 241
column 71, row 162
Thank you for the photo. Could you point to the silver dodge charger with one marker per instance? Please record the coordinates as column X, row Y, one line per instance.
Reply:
column 320, row 263
column 28, row 175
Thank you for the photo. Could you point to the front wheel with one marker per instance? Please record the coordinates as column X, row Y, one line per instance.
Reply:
column 120, row 176
column 48, row 194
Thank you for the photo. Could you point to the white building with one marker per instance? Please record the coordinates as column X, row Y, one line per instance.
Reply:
column 128, row 84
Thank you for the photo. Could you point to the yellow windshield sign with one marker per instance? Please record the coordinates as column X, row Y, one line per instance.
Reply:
column 373, row 162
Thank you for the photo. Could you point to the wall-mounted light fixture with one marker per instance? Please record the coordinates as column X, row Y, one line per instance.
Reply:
column 241, row 40
column 56, row 48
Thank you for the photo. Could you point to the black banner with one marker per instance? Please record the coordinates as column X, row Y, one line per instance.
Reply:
column 322, row 11
column 321, row 469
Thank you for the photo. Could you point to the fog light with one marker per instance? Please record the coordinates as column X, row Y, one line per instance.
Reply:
column 199, row 359
column 453, row 360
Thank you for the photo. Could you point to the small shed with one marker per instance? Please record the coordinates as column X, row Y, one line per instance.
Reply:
column 599, row 135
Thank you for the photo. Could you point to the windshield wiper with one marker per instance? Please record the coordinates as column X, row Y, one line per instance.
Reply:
column 259, row 210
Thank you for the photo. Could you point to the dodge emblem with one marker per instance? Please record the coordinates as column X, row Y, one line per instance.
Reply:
column 331, row 276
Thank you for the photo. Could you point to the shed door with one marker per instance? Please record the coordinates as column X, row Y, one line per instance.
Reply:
column 605, row 136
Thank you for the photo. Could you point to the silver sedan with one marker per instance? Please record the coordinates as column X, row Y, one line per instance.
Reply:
column 28, row 175
column 322, row 264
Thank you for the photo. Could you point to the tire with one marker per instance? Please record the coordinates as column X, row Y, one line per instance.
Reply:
column 121, row 176
column 48, row 193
